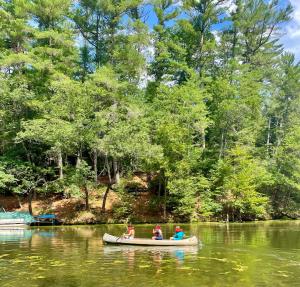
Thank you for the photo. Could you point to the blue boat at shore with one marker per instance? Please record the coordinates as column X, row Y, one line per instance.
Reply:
column 21, row 219
column 45, row 220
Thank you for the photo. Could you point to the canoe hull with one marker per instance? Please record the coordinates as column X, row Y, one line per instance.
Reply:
column 11, row 225
column 12, row 222
column 192, row 241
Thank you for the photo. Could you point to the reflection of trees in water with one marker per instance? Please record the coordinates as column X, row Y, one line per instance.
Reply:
column 256, row 234
column 235, row 233
column 14, row 234
column 249, row 248
column 232, row 255
column 154, row 255
column 65, row 239
column 273, row 233
column 284, row 236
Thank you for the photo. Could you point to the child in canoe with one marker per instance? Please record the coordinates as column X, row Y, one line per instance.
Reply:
column 157, row 233
column 179, row 234
column 130, row 232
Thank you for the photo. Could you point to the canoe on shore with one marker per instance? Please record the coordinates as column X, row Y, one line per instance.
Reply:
column 12, row 222
column 107, row 238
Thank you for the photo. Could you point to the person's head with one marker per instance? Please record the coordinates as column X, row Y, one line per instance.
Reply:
column 177, row 228
column 157, row 226
column 130, row 226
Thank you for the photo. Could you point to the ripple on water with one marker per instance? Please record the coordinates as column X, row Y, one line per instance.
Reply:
column 232, row 255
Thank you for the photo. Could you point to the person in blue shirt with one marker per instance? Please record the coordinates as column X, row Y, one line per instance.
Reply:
column 179, row 234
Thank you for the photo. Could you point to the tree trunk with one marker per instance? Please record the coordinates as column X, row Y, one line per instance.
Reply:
column 108, row 186
column 201, row 43
column 19, row 200
column 165, row 205
column 116, row 171
column 97, row 44
column 78, row 160
column 222, row 145
column 30, row 197
column 159, row 186
column 234, row 42
column 86, row 191
column 108, row 169
column 203, row 138
column 105, row 198
column 197, row 206
column 60, row 164
column 165, row 199
column 279, row 135
column 269, row 135
column 95, row 166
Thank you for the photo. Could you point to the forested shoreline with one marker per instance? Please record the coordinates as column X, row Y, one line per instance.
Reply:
column 198, row 95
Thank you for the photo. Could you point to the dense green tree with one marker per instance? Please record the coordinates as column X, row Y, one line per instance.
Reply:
column 197, row 94
column 22, row 179
column 237, row 180
column 280, row 137
column 5, row 178
column 16, row 35
column 196, row 32
column 168, row 63
column 100, row 25
column 253, row 37
column 178, row 116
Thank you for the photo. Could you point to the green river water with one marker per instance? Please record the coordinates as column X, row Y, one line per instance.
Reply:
column 247, row 254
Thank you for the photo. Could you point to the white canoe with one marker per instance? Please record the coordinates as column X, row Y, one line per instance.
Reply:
column 107, row 238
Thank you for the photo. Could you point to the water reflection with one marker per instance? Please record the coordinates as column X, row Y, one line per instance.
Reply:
column 75, row 256
column 156, row 253
column 23, row 234
column 14, row 234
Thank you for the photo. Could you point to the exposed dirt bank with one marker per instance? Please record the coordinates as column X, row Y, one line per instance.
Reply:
column 72, row 210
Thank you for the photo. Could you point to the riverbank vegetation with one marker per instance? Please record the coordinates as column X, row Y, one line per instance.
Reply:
column 198, row 97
